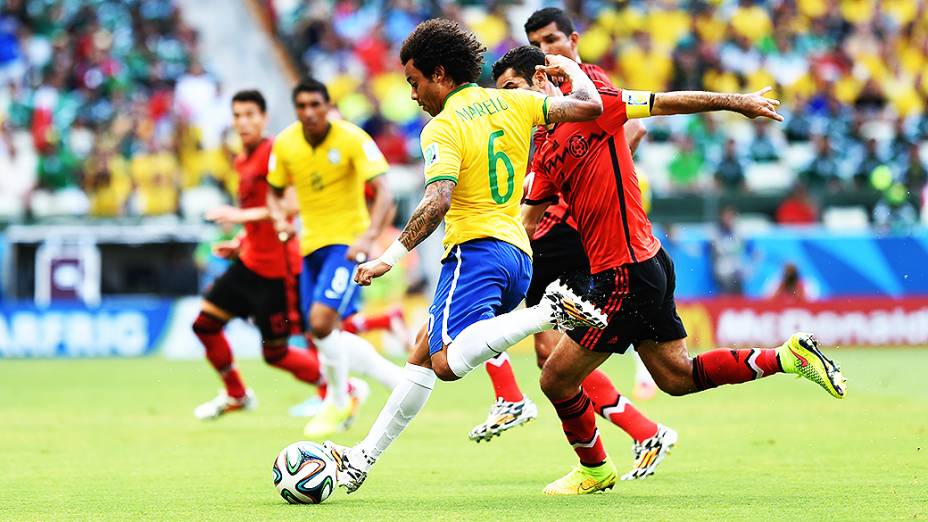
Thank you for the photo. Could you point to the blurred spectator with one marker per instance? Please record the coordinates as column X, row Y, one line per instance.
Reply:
column 763, row 149
column 729, row 173
column 686, row 167
column 894, row 213
column 791, row 287
column 914, row 173
column 823, row 169
column 798, row 208
column 728, row 253
column 867, row 163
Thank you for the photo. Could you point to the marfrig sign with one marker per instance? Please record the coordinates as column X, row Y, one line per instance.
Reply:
column 866, row 321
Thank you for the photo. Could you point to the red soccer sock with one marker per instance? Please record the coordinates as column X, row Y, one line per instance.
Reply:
column 617, row 409
column 579, row 423
column 504, row 380
column 366, row 323
column 209, row 330
column 727, row 366
column 303, row 364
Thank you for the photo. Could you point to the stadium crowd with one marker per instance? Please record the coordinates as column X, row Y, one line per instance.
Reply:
column 121, row 114
column 125, row 120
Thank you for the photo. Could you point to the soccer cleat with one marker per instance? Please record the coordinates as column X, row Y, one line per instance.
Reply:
column 308, row 408
column 570, row 311
column 800, row 355
column 651, row 452
column 351, row 465
column 400, row 333
column 583, row 480
column 644, row 390
column 223, row 404
column 331, row 419
column 503, row 416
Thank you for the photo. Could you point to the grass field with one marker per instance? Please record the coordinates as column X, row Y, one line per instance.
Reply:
column 115, row 439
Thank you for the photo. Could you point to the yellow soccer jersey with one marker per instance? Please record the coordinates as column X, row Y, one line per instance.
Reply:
column 481, row 139
column 329, row 181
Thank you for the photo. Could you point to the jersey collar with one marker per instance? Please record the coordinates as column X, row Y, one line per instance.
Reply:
column 455, row 91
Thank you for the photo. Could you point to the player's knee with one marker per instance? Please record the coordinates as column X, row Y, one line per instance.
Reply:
column 552, row 383
column 441, row 368
column 320, row 328
column 274, row 350
column 206, row 324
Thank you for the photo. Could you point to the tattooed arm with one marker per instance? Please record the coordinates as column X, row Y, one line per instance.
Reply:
column 424, row 220
column 752, row 105
column 583, row 103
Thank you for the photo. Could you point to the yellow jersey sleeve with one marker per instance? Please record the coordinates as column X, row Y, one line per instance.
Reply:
column 441, row 152
column 277, row 176
column 367, row 159
column 530, row 104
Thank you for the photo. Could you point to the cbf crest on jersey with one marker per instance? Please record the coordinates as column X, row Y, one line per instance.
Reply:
column 431, row 155
column 335, row 157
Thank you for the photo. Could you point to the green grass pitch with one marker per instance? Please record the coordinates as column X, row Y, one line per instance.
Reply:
column 116, row 439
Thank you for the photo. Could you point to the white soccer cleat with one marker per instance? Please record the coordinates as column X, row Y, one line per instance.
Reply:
column 351, row 464
column 223, row 404
column 503, row 416
column 651, row 452
column 569, row 311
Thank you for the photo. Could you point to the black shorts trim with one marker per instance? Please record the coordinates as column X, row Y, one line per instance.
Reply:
column 638, row 299
column 271, row 304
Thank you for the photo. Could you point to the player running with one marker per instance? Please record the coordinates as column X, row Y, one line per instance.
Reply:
column 557, row 252
column 633, row 280
column 261, row 283
column 328, row 162
column 476, row 152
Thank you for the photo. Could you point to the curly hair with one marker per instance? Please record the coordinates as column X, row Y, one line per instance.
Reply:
column 443, row 42
column 522, row 60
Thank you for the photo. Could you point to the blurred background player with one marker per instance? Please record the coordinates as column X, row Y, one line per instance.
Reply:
column 261, row 283
column 476, row 151
column 556, row 252
column 328, row 162
column 633, row 280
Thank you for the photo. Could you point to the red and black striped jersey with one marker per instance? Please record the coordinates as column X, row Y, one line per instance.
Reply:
column 590, row 167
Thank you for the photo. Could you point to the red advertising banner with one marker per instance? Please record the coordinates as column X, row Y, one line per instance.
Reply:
column 863, row 321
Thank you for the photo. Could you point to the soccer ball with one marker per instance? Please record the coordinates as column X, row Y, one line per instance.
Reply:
column 304, row 473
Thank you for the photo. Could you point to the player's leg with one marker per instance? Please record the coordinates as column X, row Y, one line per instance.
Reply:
column 664, row 351
column 471, row 336
column 222, row 302
column 402, row 406
column 334, row 297
column 561, row 378
column 273, row 316
column 392, row 321
column 676, row 373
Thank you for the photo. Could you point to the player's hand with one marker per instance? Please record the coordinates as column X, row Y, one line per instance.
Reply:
column 557, row 67
column 360, row 250
column 366, row 272
column 225, row 215
column 226, row 249
column 755, row 105
column 285, row 229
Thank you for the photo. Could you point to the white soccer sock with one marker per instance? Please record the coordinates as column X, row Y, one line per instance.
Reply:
column 404, row 403
column 335, row 363
column 642, row 375
column 490, row 337
column 366, row 360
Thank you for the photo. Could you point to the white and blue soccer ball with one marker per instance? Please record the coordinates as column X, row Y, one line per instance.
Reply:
column 304, row 473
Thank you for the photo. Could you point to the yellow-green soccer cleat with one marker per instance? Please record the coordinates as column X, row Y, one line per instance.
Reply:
column 583, row 480
column 330, row 420
column 800, row 355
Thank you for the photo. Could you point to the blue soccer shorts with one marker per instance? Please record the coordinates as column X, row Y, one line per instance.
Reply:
column 328, row 278
column 479, row 279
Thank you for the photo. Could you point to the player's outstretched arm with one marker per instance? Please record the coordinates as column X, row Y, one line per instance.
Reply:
column 752, row 105
column 634, row 132
column 382, row 208
column 583, row 103
column 281, row 205
column 531, row 215
column 424, row 220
